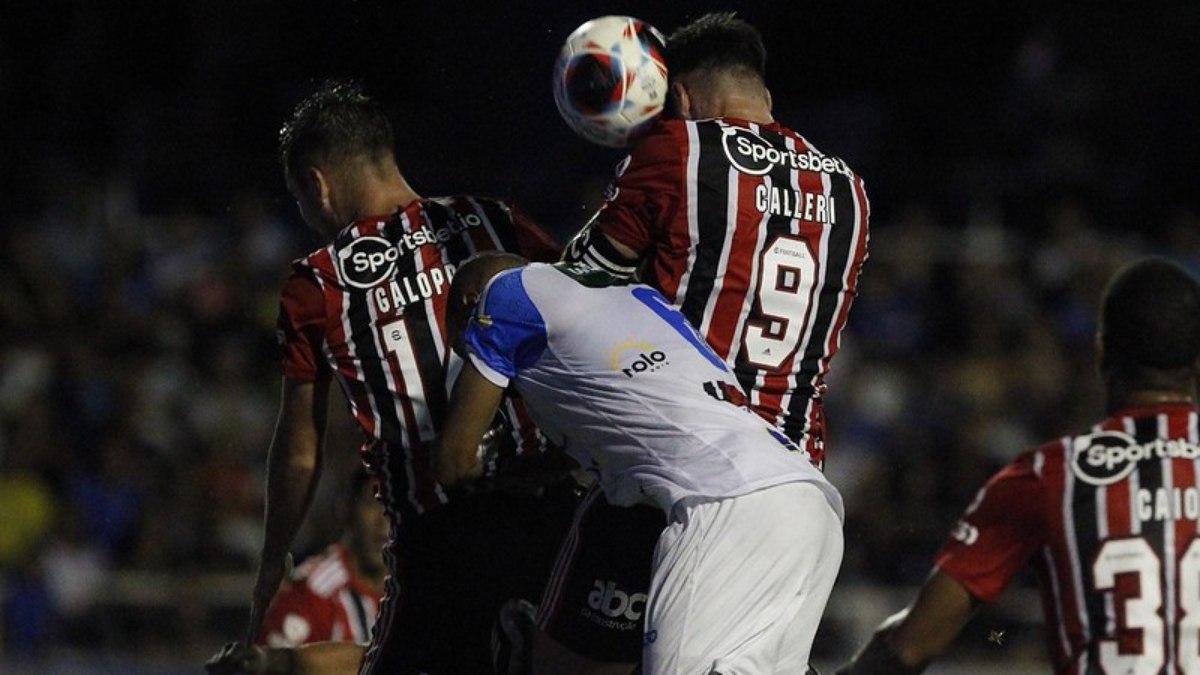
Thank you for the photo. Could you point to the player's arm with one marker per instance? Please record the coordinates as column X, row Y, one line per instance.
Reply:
column 599, row 250
column 533, row 242
column 994, row 539
column 318, row 658
column 473, row 405
column 907, row 641
column 293, row 469
column 638, row 205
column 504, row 333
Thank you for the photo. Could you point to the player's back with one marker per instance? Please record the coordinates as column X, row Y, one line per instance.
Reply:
column 1120, row 571
column 760, row 243
column 621, row 381
column 383, row 285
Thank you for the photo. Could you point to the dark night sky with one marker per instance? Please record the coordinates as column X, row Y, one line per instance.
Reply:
column 186, row 96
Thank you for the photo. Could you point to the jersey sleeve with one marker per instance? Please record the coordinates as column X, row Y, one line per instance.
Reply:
column 297, row 616
column 300, row 329
column 640, row 202
column 998, row 533
column 532, row 240
column 506, row 332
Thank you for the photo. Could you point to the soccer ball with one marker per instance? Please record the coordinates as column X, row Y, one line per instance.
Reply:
column 610, row 81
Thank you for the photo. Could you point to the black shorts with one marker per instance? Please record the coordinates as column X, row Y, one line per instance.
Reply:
column 595, row 602
column 458, row 564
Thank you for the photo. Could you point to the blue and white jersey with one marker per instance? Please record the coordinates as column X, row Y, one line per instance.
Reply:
column 619, row 379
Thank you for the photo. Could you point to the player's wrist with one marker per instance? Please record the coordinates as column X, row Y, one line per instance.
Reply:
column 279, row 661
column 878, row 658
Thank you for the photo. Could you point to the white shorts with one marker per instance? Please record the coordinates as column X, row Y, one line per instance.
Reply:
column 739, row 584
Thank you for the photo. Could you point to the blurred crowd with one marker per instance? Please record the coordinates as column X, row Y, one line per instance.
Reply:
column 139, row 378
column 138, row 383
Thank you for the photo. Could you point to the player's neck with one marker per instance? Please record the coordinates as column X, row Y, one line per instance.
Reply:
column 1147, row 388
column 1150, row 398
column 385, row 198
column 373, row 575
column 745, row 109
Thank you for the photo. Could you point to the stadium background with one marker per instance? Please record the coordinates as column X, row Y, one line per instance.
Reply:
column 1015, row 152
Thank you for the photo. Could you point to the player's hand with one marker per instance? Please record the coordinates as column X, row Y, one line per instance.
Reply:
column 237, row 658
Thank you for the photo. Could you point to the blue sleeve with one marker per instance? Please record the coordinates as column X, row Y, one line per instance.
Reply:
column 506, row 332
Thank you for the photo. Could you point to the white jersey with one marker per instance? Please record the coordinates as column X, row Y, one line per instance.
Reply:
column 620, row 380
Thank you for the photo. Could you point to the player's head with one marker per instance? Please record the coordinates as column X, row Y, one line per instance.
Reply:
column 1149, row 332
column 334, row 141
column 367, row 527
column 712, row 58
column 468, row 284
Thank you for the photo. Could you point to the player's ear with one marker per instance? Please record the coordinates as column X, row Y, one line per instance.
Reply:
column 318, row 183
column 680, row 100
column 770, row 103
column 1101, row 356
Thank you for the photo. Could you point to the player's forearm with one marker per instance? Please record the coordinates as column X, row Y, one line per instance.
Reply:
column 878, row 657
column 908, row 640
column 318, row 658
column 293, row 469
column 457, row 461
column 601, row 251
column 473, row 405
column 291, row 482
column 327, row 658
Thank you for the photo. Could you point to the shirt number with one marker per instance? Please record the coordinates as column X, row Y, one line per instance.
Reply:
column 785, row 286
column 1138, row 608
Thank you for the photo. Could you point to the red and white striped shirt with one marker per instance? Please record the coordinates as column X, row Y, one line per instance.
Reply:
column 1111, row 522
column 369, row 309
column 323, row 601
column 758, row 238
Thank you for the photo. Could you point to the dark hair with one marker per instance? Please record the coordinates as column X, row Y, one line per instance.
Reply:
column 482, row 265
column 1150, row 316
column 716, row 40
column 336, row 122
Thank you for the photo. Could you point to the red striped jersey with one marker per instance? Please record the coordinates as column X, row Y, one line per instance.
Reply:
column 758, row 238
column 1109, row 520
column 322, row 601
column 369, row 309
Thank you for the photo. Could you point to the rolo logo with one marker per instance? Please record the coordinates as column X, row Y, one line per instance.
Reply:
column 616, row 604
column 368, row 261
column 646, row 358
column 645, row 362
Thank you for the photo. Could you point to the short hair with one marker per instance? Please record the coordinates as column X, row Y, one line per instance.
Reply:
column 1150, row 316
column 717, row 40
column 482, row 265
column 335, row 123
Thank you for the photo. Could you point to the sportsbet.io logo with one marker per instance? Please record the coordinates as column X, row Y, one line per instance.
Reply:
column 751, row 154
column 368, row 261
column 1107, row 457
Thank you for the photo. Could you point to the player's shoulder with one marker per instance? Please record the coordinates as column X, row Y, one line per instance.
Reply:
column 666, row 140
column 829, row 162
column 1043, row 463
column 464, row 203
